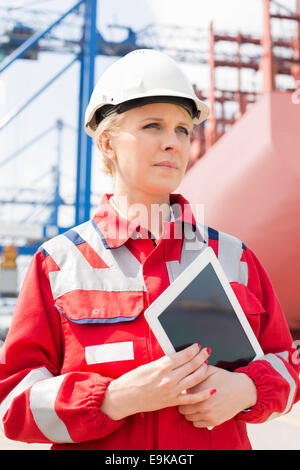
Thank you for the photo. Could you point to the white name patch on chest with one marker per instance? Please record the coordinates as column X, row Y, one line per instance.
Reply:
column 109, row 352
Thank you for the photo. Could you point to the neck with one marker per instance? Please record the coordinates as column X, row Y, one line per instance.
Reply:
column 148, row 210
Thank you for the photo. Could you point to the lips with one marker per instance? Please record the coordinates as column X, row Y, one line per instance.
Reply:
column 167, row 164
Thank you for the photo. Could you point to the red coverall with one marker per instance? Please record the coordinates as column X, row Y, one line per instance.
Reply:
column 79, row 324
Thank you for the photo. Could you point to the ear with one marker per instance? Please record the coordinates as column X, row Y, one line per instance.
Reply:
column 105, row 145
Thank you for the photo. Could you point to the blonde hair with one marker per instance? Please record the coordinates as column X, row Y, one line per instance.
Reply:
column 111, row 124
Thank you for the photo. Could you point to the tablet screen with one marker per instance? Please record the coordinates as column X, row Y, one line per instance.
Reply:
column 203, row 314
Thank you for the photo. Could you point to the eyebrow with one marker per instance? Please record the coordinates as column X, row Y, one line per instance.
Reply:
column 160, row 119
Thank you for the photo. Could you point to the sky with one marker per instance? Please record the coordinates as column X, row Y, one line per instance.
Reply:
column 32, row 169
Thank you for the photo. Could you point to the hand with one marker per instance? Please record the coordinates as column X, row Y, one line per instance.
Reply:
column 158, row 384
column 234, row 392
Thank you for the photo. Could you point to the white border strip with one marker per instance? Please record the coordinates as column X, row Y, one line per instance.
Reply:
column 30, row 379
column 42, row 404
column 281, row 369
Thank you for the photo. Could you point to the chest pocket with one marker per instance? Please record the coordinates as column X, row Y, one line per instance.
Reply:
column 100, row 307
column 251, row 305
column 103, row 333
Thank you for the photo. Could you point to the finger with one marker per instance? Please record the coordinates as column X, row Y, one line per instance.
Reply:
column 190, row 367
column 199, row 421
column 177, row 359
column 186, row 399
column 192, row 408
column 182, row 357
column 193, row 379
column 202, row 424
column 193, row 417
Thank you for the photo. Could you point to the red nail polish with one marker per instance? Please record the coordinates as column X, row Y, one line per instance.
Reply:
column 206, row 362
column 199, row 346
column 208, row 351
column 212, row 392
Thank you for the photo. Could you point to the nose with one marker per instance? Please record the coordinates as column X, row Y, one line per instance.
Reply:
column 170, row 142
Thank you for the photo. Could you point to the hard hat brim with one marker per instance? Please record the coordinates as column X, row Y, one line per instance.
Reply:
column 91, row 126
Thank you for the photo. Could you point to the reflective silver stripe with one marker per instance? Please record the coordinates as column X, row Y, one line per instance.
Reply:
column 280, row 367
column 30, row 379
column 170, row 266
column 229, row 254
column 230, row 250
column 124, row 272
column 120, row 260
column 188, row 255
column 244, row 275
column 283, row 354
column 42, row 404
column 88, row 232
column 172, row 215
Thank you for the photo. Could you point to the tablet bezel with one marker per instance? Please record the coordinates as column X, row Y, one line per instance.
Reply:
column 153, row 312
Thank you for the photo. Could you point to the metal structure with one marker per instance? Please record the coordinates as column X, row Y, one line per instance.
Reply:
column 249, row 182
column 21, row 41
column 86, row 56
column 24, row 34
column 74, row 32
column 274, row 56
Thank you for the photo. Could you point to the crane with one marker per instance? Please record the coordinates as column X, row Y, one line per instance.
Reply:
column 27, row 32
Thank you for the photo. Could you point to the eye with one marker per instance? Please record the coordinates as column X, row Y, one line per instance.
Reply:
column 152, row 125
column 183, row 130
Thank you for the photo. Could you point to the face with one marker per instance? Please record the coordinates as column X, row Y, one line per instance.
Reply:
column 152, row 148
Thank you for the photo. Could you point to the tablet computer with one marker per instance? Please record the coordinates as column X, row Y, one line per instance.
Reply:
column 201, row 307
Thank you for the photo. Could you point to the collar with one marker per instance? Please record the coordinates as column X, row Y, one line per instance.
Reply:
column 111, row 200
column 114, row 229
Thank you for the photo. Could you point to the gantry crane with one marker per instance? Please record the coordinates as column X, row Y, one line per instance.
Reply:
column 25, row 33
column 74, row 32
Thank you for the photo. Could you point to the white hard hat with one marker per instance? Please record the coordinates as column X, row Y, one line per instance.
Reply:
column 140, row 77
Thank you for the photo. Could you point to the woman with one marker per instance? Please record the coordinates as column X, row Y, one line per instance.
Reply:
column 82, row 369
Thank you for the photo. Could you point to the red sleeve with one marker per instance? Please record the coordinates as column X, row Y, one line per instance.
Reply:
column 37, row 403
column 276, row 374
